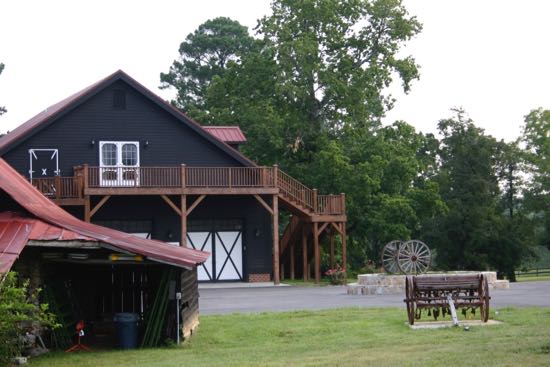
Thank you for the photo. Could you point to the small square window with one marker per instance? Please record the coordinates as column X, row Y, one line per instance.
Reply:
column 119, row 99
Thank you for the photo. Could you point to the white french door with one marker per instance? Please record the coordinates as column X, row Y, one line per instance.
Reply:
column 119, row 163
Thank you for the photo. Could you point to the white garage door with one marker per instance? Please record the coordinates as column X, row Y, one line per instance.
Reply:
column 226, row 259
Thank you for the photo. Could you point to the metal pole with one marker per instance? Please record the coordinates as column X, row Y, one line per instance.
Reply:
column 178, row 298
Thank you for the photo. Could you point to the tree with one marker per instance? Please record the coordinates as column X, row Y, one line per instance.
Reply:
column 204, row 54
column 484, row 227
column 536, row 137
column 335, row 58
column 309, row 96
column 321, row 65
column 2, row 109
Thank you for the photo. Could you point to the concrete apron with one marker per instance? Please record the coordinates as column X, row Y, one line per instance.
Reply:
column 445, row 324
column 229, row 285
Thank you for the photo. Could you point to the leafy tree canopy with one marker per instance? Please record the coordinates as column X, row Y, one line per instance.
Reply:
column 335, row 58
column 480, row 230
column 536, row 137
column 204, row 54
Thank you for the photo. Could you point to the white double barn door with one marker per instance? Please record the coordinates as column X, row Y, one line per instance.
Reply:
column 226, row 259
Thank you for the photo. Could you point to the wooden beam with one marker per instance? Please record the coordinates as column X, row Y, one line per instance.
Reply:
column 171, row 204
column 183, row 219
column 99, row 205
column 337, row 227
column 87, row 209
column 323, row 227
column 304, row 253
column 276, row 279
column 195, row 203
column 178, row 191
column 331, row 241
column 317, row 252
column 325, row 218
column 264, row 204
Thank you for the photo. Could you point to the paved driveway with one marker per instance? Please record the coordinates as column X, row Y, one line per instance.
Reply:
column 248, row 299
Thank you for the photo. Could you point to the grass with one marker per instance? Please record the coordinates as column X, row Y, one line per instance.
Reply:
column 522, row 278
column 342, row 337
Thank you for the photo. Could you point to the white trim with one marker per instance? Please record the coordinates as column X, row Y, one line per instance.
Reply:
column 119, row 145
column 117, row 172
column 55, row 153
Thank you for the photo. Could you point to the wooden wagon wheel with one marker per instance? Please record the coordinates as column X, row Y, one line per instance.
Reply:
column 409, row 295
column 414, row 257
column 484, row 297
column 389, row 256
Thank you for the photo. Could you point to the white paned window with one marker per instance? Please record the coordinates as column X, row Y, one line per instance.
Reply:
column 129, row 154
column 109, row 154
column 119, row 153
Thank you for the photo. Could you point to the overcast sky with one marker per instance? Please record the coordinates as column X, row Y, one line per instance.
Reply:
column 490, row 57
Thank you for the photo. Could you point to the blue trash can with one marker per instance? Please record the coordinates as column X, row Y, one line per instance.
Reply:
column 126, row 329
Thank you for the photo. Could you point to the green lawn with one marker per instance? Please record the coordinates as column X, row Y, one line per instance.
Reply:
column 344, row 337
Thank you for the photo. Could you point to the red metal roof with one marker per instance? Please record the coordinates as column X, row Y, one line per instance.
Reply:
column 228, row 134
column 13, row 238
column 46, row 211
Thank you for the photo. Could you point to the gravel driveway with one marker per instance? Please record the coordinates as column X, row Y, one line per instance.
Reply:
column 228, row 299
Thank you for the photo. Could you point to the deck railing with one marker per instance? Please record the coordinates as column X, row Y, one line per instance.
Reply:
column 190, row 177
column 296, row 191
column 59, row 187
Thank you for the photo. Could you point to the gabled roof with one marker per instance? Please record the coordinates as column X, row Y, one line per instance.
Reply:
column 54, row 112
column 15, row 231
column 228, row 134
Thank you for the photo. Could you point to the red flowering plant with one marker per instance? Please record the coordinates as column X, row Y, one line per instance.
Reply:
column 337, row 275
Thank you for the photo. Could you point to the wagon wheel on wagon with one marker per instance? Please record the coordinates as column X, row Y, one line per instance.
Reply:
column 414, row 257
column 409, row 294
column 389, row 256
column 484, row 297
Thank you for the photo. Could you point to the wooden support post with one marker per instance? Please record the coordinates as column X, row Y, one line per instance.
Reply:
column 343, row 204
column 344, row 259
column 183, row 176
column 183, row 218
column 331, row 241
column 276, row 279
column 304, row 253
column 57, row 187
column 275, row 174
column 86, row 178
column 87, row 215
column 317, row 252
column 292, row 261
column 315, row 201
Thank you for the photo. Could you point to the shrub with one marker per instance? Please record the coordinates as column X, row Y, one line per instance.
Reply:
column 19, row 308
column 337, row 276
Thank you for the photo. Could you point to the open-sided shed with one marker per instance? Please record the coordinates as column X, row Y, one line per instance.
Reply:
column 91, row 273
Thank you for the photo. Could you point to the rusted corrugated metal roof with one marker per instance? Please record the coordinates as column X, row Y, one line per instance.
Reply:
column 16, row 230
column 52, row 113
column 42, row 208
column 228, row 134
column 13, row 238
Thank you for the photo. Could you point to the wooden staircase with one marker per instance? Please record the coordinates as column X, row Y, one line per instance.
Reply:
column 312, row 216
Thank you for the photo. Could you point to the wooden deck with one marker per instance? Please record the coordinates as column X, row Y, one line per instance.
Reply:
column 185, row 180
column 313, row 214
